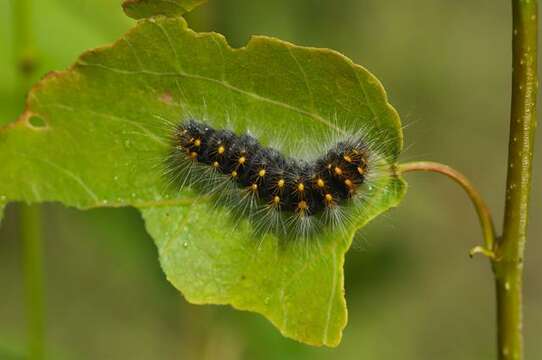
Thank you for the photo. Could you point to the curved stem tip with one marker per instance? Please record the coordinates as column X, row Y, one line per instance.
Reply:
column 484, row 215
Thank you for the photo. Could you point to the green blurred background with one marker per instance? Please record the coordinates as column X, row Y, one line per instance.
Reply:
column 412, row 291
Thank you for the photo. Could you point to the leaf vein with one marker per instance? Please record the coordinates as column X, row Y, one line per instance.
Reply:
column 366, row 96
column 73, row 176
column 227, row 85
column 170, row 43
column 135, row 124
column 305, row 78
column 134, row 51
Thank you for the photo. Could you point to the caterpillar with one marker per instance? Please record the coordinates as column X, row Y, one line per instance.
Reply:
column 280, row 194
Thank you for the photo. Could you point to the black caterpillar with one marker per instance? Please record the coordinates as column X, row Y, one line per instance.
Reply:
column 291, row 188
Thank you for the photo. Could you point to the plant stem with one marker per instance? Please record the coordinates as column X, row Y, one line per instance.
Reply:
column 484, row 215
column 507, row 252
column 510, row 248
column 32, row 257
column 33, row 277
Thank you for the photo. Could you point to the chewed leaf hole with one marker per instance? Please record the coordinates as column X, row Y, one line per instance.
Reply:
column 36, row 122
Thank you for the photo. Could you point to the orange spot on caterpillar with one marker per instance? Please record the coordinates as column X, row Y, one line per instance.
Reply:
column 348, row 183
column 276, row 200
column 302, row 205
column 261, row 173
column 197, row 142
column 347, row 158
column 338, row 170
column 280, row 183
column 221, row 149
column 300, row 187
column 216, row 164
column 254, row 187
column 328, row 198
column 193, row 155
column 242, row 160
column 320, row 183
column 234, row 174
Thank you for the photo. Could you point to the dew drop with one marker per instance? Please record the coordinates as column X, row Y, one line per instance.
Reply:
column 115, row 177
column 185, row 244
column 3, row 197
column 266, row 300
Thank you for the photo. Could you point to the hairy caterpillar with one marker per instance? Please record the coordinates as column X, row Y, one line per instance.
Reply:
column 289, row 197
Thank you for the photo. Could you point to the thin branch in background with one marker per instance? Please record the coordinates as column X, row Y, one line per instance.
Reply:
column 23, row 41
column 30, row 215
column 30, row 222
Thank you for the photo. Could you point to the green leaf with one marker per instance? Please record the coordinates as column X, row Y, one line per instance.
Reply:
column 299, row 288
column 139, row 9
column 96, row 135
